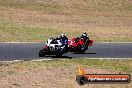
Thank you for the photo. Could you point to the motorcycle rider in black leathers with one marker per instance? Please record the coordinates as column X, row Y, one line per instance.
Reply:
column 85, row 36
column 86, row 40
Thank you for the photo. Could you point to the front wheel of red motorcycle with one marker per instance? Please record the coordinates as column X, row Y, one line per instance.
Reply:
column 58, row 55
column 41, row 53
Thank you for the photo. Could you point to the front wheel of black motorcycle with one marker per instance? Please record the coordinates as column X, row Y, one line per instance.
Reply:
column 41, row 53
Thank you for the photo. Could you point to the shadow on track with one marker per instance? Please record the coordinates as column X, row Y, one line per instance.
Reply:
column 84, row 53
column 60, row 57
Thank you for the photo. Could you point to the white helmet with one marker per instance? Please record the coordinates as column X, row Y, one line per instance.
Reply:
column 62, row 35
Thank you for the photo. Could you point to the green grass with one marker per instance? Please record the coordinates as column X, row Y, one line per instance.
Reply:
column 121, row 65
column 14, row 32
column 117, row 65
column 10, row 31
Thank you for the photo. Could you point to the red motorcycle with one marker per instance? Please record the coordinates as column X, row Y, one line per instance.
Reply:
column 79, row 44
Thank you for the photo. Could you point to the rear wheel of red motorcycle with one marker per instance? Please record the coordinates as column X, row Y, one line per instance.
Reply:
column 41, row 53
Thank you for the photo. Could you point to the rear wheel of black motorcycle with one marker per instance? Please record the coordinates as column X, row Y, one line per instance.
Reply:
column 84, row 50
column 41, row 53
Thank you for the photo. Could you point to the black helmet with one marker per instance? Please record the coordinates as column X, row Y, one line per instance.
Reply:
column 84, row 34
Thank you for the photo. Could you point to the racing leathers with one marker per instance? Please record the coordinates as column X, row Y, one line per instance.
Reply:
column 86, row 41
column 64, row 41
column 85, row 37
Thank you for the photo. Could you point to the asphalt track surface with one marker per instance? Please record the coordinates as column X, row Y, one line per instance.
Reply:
column 29, row 51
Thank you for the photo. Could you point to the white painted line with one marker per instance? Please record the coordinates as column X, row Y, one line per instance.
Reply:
column 42, row 60
column 39, row 60
column 17, row 60
column 12, row 61
column 28, row 60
